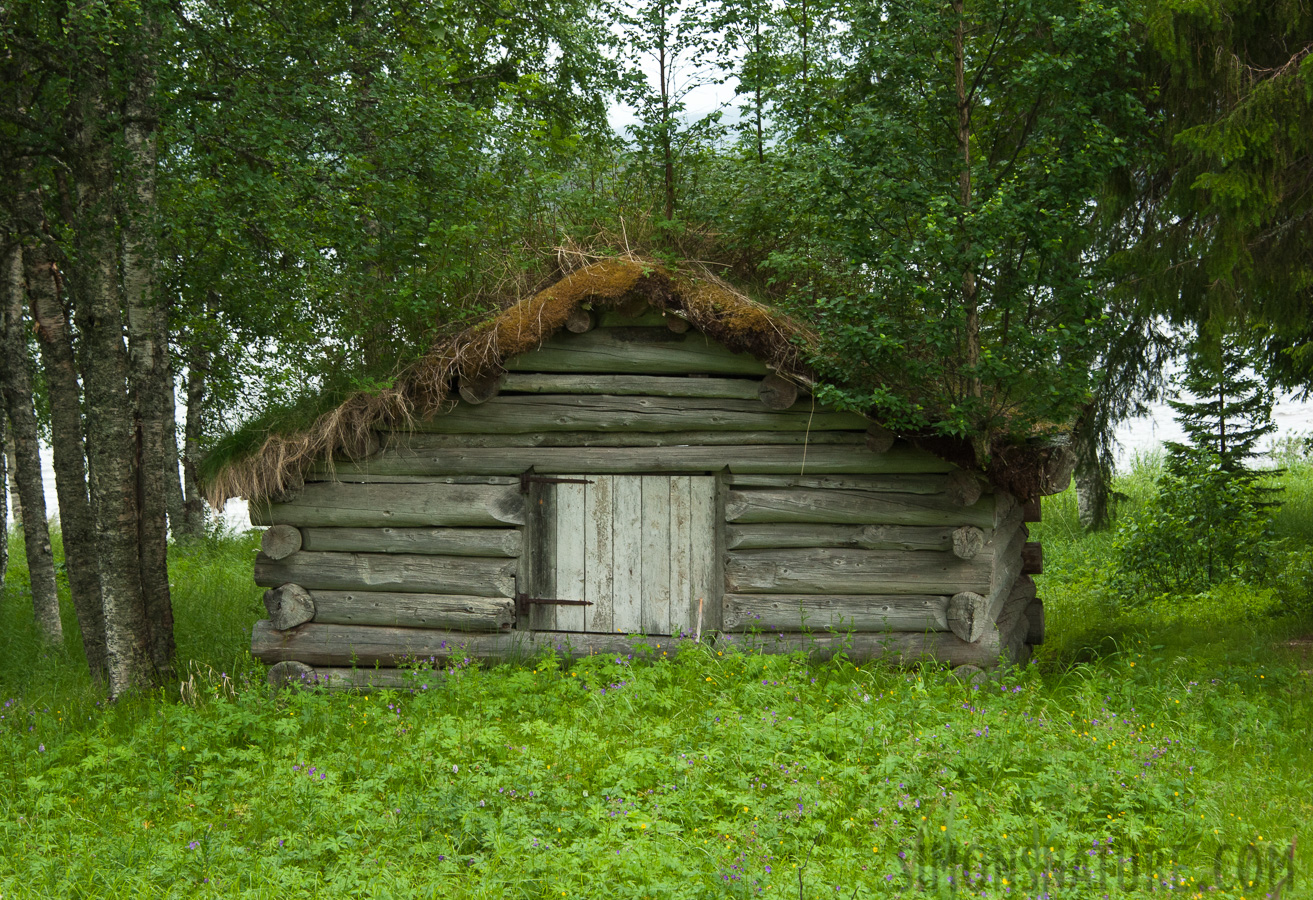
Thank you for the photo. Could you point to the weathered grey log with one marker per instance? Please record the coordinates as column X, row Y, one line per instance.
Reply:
column 518, row 413
column 363, row 647
column 631, row 385
column 968, row 541
column 906, row 648
column 1006, row 542
column 1013, row 627
column 769, row 458
column 323, row 472
column 653, row 351
column 481, row 388
column 845, row 571
column 291, row 673
column 441, row 541
column 810, row 612
column 1032, row 558
column 581, row 321
column 851, row 507
column 280, row 541
column 1032, row 511
column 419, row 442
column 867, row 537
column 407, row 573
column 777, row 392
column 879, row 439
column 884, row 484
column 378, row 505
column 968, row 616
column 446, row 611
column 289, row 605
column 1035, row 622
column 677, row 324
column 1024, row 586
column 964, row 488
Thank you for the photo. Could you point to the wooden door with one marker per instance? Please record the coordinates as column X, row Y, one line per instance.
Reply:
column 639, row 548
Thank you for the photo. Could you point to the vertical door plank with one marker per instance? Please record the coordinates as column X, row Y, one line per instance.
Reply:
column 627, row 549
column 683, row 605
column 570, row 554
column 656, row 554
column 598, row 527
column 543, row 498
column 704, row 560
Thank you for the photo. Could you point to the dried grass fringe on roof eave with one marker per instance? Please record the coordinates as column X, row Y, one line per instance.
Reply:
column 707, row 302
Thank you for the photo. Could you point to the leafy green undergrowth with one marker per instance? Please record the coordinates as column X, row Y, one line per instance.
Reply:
column 1141, row 747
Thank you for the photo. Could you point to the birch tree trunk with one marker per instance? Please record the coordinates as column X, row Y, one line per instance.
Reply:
column 148, row 343
column 68, row 448
column 172, row 475
column 111, row 439
column 193, row 509
column 16, row 367
column 4, row 507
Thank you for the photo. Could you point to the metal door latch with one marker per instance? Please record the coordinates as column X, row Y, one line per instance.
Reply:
column 526, row 479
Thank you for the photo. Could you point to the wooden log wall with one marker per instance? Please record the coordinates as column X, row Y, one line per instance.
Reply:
column 823, row 522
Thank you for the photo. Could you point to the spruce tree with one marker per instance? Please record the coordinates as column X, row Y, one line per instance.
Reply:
column 1232, row 406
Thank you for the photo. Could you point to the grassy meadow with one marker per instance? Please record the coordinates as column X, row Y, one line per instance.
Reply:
column 1166, row 745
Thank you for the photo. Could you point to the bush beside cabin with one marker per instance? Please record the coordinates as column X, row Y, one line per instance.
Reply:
column 614, row 472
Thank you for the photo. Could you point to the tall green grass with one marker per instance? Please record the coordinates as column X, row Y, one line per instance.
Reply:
column 1159, row 735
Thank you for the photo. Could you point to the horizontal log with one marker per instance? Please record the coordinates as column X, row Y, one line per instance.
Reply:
column 347, row 646
column 580, row 321
column 878, row 438
column 867, row 537
column 520, row 413
column 1032, row 558
column 774, row 459
column 364, row 646
column 441, row 541
column 280, row 541
column 852, row 508
column 341, row 678
column 407, row 573
column 631, row 385
column 651, row 351
column 378, row 505
column 812, row 612
column 905, row 648
column 446, row 611
column 884, row 484
column 845, row 571
column 421, row 441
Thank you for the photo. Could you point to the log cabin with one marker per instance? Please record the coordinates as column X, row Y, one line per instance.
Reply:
column 630, row 457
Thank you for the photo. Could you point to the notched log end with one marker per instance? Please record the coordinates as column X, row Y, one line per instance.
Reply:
column 879, row 439
column 292, row 674
column 777, row 392
column 968, row 541
column 964, row 488
column 967, row 616
column 280, row 541
column 481, row 388
column 289, row 605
